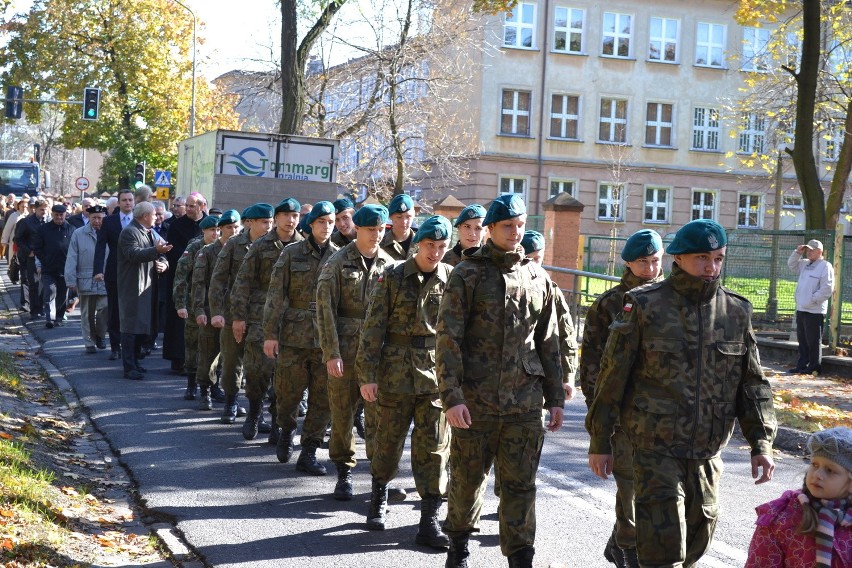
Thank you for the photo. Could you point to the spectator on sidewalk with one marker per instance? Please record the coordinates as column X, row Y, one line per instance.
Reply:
column 51, row 249
column 816, row 283
column 78, row 277
column 140, row 259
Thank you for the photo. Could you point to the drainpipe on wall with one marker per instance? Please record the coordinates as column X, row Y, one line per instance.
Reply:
column 545, row 48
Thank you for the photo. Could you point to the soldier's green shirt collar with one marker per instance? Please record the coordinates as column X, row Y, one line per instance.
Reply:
column 410, row 268
column 691, row 287
column 507, row 260
column 630, row 280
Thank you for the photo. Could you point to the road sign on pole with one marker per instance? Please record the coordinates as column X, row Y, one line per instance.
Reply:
column 162, row 193
column 82, row 183
column 162, row 178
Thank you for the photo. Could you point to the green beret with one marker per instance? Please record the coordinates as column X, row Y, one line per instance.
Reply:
column 475, row 211
column 343, row 204
column 258, row 211
column 436, row 227
column 400, row 204
column 702, row 235
column 644, row 242
column 320, row 209
column 303, row 226
column 370, row 216
column 209, row 222
column 505, row 207
column 229, row 217
column 532, row 241
column 288, row 205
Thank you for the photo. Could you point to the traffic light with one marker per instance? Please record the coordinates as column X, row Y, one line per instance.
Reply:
column 139, row 176
column 91, row 103
column 14, row 104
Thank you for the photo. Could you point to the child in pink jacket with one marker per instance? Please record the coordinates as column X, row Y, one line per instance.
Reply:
column 810, row 528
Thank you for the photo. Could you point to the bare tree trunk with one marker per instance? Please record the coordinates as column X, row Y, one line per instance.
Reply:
column 841, row 173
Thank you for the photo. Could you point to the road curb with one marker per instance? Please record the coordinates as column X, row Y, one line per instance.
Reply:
column 791, row 440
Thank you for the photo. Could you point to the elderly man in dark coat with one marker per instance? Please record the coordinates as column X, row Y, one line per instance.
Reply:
column 140, row 259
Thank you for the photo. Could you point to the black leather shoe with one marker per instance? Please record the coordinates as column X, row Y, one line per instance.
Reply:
column 91, row 349
column 49, row 325
column 141, row 369
column 217, row 394
column 134, row 375
column 795, row 371
column 343, row 488
column 115, row 356
column 100, row 343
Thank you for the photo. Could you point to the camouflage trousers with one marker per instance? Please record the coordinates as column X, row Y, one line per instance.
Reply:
column 190, row 345
column 513, row 445
column 430, row 440
column 257, row 367
column 676, row 508
column 208, row 350
column 344, row 394
column 296, row 370
column 232, row 360
column 622, row 471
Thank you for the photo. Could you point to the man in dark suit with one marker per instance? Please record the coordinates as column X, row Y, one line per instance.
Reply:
column 81, row 218
column 107, row 250
column 140, row 259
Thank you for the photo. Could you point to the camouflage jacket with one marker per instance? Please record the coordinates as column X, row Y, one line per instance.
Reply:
column 680, row 365
column 567, row 336
column 202, row 270
column 453, row 256
column 248, row 292
column 600, row 316
column 397, row 348
column 342, row 294
column 289, row 314
column 228, row 263
column 183, row 275
column 339, row 239
column 498, row 345
column 394, row 249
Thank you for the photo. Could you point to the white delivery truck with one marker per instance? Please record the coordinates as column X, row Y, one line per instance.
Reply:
column 235, row 169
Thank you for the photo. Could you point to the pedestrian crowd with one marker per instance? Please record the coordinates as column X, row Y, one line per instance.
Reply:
column 358, row 319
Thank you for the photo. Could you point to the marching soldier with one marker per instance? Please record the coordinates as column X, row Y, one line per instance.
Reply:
column 344, row 232
column 395, row 368
column 397, row 242
column 469, row 226
column 342, row 293
column 289, row 326
column 248, row 295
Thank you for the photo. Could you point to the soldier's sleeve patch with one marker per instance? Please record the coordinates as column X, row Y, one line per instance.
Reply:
column 628, row 307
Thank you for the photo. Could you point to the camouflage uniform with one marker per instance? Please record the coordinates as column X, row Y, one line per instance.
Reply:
column 342, row 293
column 183, row 301
column 498, row 353
column 567, row 336
column 595, row 332
column 394, row 249
column 339, row 240
column 454, row 255
column 397, row 351
column 289, row 317
column 248, row 295
column 680, row 366
column 228, row 263
column 208, row 336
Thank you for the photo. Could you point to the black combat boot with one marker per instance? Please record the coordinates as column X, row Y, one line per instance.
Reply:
column 217, row 393
column 612, row 553
column 522, row 558
column 274, row 434
column 263, row 426
column 204, row 400
column 229, row 414
column 343, row 489
column 284, row 447
column 631, row 559
column 307, row 461
column 458, row 554
column 191, row 387
column 359, row 423
column 429, row 532
column 250, row 426
column 376, row 515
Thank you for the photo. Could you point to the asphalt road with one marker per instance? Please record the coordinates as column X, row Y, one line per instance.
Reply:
column 237, row 506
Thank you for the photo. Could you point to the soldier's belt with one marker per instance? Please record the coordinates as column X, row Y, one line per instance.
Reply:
column 312, row 306
column 419, row 341
column 354, row 314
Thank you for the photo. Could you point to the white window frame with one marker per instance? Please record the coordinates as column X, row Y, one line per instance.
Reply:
column 663, row 40
column 752, row 135
column 706, row 129
column 659, row 125
column 516, row 112
column 616, row 35
column 709, row 46
column 568, row 30
column 520, row 24
column 744, row 213
column 612, row 121
column 512, row 183
column 703, row 207
column 833, row 137
column 657, row 204
column 792, row 202
column 564, row 116
column 562, row 184
column 613, row 199
column 755, row 42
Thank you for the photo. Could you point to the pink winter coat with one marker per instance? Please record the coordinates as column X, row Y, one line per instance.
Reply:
column 776, row 544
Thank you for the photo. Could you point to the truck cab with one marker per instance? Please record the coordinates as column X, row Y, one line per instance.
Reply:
column 20, row 177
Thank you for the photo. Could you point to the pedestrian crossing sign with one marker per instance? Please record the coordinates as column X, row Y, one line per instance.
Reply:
column 162, row 178
column 162, row 193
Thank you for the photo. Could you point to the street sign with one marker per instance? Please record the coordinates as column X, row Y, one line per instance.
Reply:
column 162, row 178
column 162, row 193
column 82, row 183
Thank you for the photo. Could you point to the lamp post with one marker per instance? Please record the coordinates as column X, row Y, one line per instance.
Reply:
column 192, row 103
column 772, row 299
